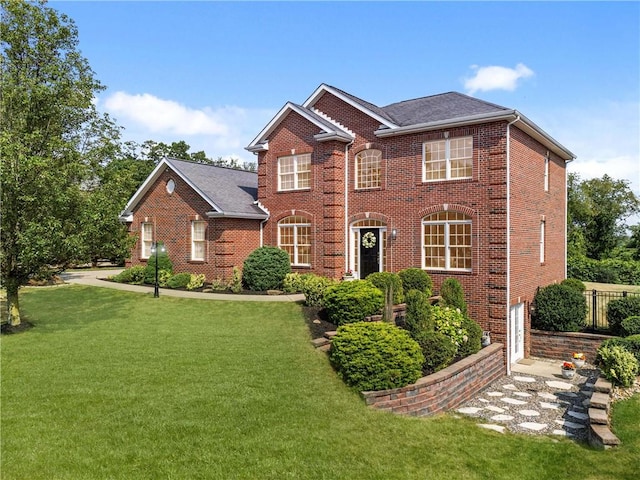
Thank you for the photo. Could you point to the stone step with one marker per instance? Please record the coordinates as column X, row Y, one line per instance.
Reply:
column 602, row 437
column 330, row 334
column 603, row 386
column 598, row 416
column 325, row 348
column 600, row 400
column 320, row 342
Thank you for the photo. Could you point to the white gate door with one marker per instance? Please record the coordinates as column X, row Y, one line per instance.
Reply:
column 516, row 328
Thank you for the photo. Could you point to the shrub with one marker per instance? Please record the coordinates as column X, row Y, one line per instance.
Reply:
column 631, row 344
column 179, row 280
column 265, row 269
column 618, row 365
column 133, row 275
column 164, row 263
column 449, row 321
column 163, row 277
column 314, row 288
column 575, row 284
column 384, row 280
column 559, row 308
column 349, row 302
column 453, row 295
column 293, row 282
column 619, row 309
column 438, row 351
column 235, row 285
column 419, row 318
column 375, row 356
column 416, row 279
column 610, row 270
column 196, row 281
column 472, row 343
column 631, row 325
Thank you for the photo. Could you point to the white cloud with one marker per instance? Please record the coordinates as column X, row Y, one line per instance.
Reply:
column 220, row 132
column 496, row 78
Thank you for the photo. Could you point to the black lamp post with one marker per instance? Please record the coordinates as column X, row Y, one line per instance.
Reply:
column 156, row 287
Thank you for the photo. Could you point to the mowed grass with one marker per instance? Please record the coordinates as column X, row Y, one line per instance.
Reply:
column 117, row 385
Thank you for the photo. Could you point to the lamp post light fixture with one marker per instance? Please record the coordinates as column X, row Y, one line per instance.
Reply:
column 154, row 249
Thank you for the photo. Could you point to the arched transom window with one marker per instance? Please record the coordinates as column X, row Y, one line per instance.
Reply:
column 368, row 171
column 446, row 241
column 294, row 237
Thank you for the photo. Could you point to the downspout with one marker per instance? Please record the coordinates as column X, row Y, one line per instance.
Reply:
column 346, row 205
column 509, row 243
column 262, row 231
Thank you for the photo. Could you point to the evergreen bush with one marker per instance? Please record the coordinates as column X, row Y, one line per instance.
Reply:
column 164, row 263
column 472, row 342
column 631, row 326
column 134, row 275
column 384, row 280
column 619, row 309
column 235, row 284
column 559, row 308
column 416, row 279
column 163, row 277
column 438, row 351
column 349, row 302
column 453, row 295
column 314, row 288
column 375, row 356
column 631, row 344
column 617, row 365
column 196, row 281
column 418, row 318
column 265, row 269
column 179, row 280
column 575, row 284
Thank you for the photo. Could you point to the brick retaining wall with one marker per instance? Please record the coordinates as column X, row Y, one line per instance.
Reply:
column 560, row 345
column 443, row 390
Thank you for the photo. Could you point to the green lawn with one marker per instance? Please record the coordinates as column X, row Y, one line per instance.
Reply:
column 119, row 385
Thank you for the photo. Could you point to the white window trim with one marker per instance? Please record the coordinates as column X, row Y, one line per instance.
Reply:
column 295, row 173
column 546, row 173
column 145, row 253
column 447, row 148
column 295, row 241
column 193, row 242
column 357, row 166
column 447, row 245
column 542, row 241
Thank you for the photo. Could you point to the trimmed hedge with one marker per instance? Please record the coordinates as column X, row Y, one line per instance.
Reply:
column 314, row 288
column 559, row 308
column 438, row 351
column 384, row 280
column 473, row 340
column 179, row 280
column 619, row 309
column 349, row 302
column 574, row 283
column 375, row 356
column 265, row 269
column 453, row 295
column 631, row 326
column 418, row 317
column 416, row 279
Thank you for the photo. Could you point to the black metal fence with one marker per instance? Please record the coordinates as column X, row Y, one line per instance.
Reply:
column 597, row 307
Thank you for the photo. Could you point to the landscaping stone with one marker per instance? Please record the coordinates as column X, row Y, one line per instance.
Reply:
column 491, row 426
column 598, row 416
column 533, row 426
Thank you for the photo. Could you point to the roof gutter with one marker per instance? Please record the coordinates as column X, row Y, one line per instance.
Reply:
column 249, row 216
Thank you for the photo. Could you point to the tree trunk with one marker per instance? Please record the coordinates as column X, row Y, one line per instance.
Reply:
column 13, row 306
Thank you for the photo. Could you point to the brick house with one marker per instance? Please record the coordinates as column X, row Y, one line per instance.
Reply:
column 457, row 186
column 206, row 216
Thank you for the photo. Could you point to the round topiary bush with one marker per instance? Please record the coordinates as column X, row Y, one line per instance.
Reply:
column 631, row 325
column 384, row 280
column 438, row 351
column 375, row 356
column 617, row 365
column 416, row 279
column 265, row 269
column 349, row 302
column 179, row 280
column 418, row 318
column 619, row 309
column 559, row 308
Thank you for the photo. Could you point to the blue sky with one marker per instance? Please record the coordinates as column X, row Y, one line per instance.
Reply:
column 214, row 73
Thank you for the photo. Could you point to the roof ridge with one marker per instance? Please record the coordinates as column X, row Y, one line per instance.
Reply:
column 173, row 159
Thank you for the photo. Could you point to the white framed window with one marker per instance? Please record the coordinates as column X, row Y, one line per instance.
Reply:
column 448, row 159
column 446, row 241
column 542, row 245
column 368, row 171
column 146, row 239
column 294, row 237
column 198, row 240
column 546, row 173
column 294, row 172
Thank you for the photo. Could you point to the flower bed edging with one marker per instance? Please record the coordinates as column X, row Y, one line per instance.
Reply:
column 443, row 390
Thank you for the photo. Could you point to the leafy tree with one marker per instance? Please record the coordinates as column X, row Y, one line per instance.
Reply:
column 52, row 140
column 597, row 210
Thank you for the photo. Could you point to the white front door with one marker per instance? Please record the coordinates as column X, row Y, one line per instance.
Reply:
column 516, row 329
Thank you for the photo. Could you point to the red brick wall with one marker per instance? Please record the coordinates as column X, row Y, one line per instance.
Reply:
column 229, row 241
column 561, row 345
column 446, row 389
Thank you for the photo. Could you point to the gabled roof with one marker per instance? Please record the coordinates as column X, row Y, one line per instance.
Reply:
column 445, row 110
column 230, row 192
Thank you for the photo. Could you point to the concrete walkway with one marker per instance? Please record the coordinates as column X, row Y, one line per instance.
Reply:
column 97, row 278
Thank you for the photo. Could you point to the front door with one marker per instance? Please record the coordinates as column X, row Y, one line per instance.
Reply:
column 369, row 251
column 516, row 325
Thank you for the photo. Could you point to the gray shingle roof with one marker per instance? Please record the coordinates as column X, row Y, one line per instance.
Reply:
column 232, row 191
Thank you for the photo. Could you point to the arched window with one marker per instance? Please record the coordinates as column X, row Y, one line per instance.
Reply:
column 294, row 237
column 368, row 171
column 446, row 241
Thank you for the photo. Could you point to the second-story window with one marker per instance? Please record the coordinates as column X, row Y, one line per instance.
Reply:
column 448, row 159
column 368, row 171
column 294, row 172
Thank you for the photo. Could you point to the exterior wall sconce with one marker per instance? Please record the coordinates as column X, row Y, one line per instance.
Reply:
column 394, row 234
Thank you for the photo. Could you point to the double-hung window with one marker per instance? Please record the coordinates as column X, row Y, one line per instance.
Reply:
column 198, row 241
column 448, row 159
column 294, row 172
column 146, row 239
column 294, row 237
column 368, row 169
column 446, row 241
